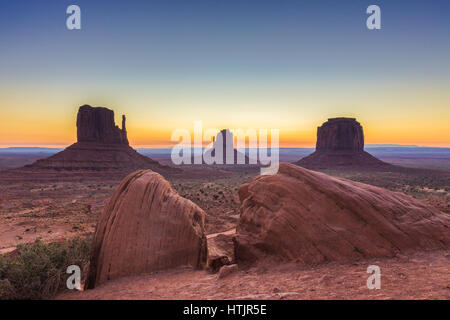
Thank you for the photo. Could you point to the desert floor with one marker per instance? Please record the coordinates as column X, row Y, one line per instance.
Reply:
column 418, row 276
column 54, row 207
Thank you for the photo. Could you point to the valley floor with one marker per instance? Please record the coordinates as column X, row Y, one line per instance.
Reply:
column 424, row 275
column 52, row 208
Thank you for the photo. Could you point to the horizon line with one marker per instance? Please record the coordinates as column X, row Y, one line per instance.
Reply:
column 290, row 146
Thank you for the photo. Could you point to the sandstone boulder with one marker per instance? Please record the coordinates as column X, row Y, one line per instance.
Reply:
column 225, row 271
column 311, row 217
column 146, row 227
column 220, row 250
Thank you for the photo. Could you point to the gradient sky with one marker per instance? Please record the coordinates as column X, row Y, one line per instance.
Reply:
column 288, row 65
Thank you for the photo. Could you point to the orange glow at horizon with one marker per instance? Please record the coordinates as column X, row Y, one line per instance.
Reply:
column 31, row 134
column 162, row 140
column 33, row 117
column 236, row 65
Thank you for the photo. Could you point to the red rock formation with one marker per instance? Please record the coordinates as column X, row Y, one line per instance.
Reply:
column 97, row 125
column 340, row 143
column 224, row 141
column 340, row 134
column 311, row 217
column 101, row 146
column 146, row 227
column 220, row 250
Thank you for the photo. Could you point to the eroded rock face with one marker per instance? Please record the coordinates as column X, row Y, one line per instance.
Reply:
column 101, row 146
column 97, row 125
column 146, row 227
column 340, row 134
column 340, row 143
column 308, row 216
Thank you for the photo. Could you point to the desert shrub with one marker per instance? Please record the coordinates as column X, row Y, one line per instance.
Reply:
column 38, row 270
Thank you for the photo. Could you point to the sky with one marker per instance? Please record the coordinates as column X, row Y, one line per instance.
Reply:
column 286, row 65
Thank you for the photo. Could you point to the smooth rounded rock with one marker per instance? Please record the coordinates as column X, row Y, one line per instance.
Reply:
column 146, row 227
column 310, row 217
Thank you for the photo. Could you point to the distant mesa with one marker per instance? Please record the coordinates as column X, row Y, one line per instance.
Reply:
column 101, row 145
column 224, row 141
column 310, row 217
column 340, row 134
column 146, row 227
column 97, row 125
column 340, row 143
column 223, row 144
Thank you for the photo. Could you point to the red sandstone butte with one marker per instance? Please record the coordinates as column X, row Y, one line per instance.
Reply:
column 340, row 143
column 310, row 217
column 224, row 143
column 101, row 146
column 146, row 227
column 97, row 125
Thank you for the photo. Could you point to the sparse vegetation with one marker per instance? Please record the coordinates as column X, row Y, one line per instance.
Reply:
column 38, row 270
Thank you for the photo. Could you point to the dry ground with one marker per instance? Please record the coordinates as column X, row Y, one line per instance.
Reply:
column 418, row 276
column 55, row 207
column 58, row 208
